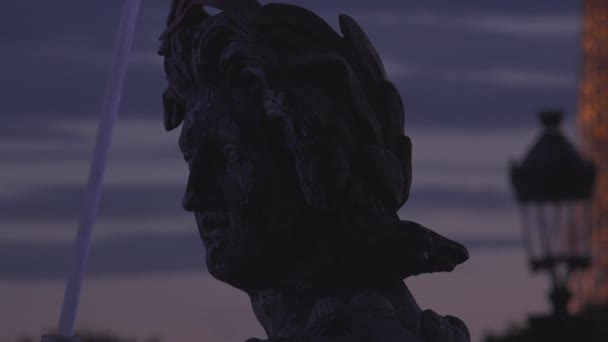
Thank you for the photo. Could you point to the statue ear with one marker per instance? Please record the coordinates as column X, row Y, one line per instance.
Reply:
column 174, row 110
column 321, row 162
column 323, row 168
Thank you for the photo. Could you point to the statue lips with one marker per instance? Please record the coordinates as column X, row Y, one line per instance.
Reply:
column 212, row 226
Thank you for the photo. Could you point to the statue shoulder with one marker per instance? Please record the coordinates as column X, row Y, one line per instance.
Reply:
column 370, row 317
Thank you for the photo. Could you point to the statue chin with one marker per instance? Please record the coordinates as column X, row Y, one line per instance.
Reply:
column 245, row 266
column 226, row 270
column 226, row 262
column 248, row 276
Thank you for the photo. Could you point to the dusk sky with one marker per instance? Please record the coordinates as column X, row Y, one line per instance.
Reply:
column 473, row 74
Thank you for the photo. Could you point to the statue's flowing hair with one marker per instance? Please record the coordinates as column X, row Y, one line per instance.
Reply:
column 340, row 118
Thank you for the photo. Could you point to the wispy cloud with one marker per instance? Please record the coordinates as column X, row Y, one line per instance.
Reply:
column 25, row 230
column 145, row 57
column 61, row 51
column 463, row 199
column 523, row 26
column 398, row 70
column 555, row 26
column 136, row 254
column 497, row 76
column 516, row 78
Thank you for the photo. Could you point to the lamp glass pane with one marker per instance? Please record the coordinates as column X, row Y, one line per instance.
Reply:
column 556, row 230
column 529, row 231
column 577, row 229
column 544, row 226
column 537, row 236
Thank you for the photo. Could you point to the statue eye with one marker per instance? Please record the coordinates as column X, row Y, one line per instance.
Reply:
column 231, row 153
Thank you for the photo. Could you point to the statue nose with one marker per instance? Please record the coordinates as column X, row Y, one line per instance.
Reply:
column 190, row 200
column 202, row 190
column 193, row 201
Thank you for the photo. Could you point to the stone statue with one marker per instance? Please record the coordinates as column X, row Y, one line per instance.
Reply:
column 298, row 164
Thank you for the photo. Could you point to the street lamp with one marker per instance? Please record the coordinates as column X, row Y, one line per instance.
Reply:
column 553, row 185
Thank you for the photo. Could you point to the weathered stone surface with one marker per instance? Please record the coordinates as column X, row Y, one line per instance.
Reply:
column 298, row 164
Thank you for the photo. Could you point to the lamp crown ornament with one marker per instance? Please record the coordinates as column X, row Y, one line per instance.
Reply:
column 551, row 119
column 552, row 170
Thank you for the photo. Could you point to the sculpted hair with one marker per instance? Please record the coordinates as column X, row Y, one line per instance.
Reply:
column 341, row 119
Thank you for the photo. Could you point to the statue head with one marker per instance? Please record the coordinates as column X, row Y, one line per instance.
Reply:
column 294, row 141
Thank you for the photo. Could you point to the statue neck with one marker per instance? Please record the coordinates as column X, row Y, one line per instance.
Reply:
column 294, row 307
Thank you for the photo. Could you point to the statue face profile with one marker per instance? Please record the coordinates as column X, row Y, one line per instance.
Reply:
column 244, row 197
column 242, row 186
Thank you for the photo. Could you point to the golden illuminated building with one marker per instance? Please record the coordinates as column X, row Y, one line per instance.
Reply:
column 593, row 123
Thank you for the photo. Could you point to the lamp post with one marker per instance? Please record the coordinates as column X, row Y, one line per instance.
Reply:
column 553, row 185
